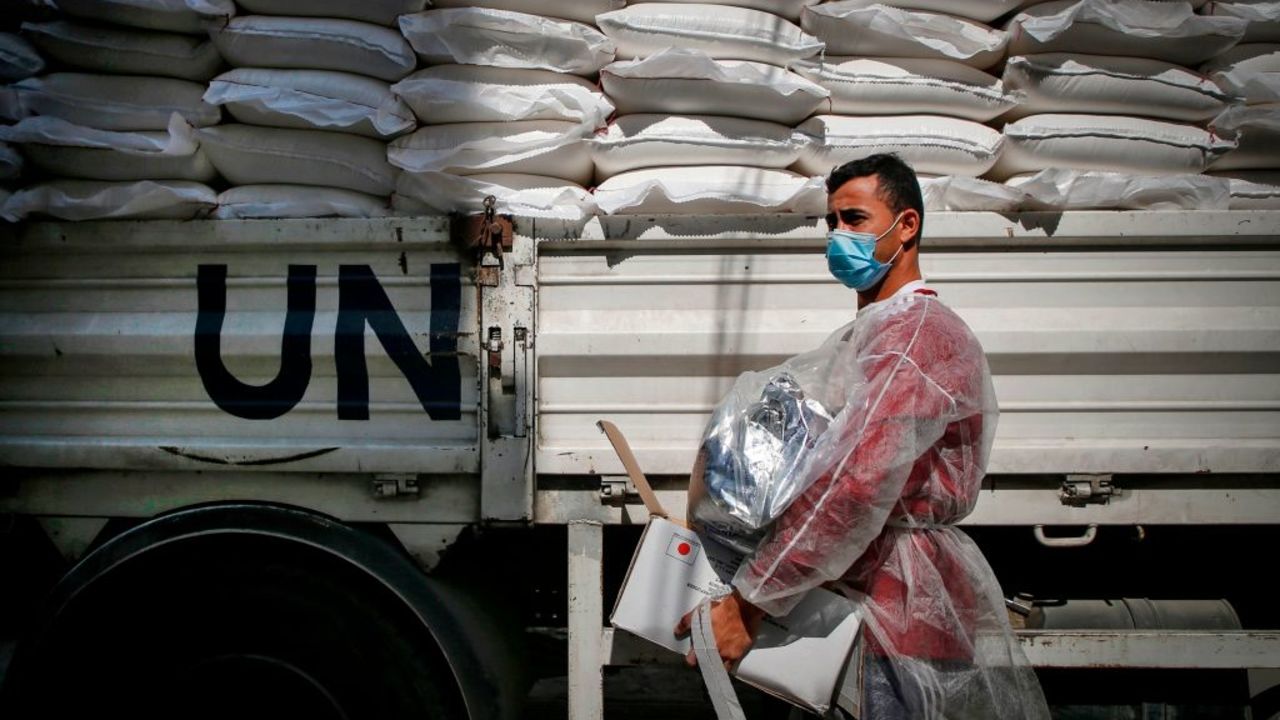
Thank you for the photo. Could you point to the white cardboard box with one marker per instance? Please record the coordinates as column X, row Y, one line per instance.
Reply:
column 802, row 657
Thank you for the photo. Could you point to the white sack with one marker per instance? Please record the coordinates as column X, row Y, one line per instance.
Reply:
column 63, row 149
column 981, row 10
column 684, row 82
column 1250, row 71
column 711, row 190
column 1114, row 143
column 178, row 139
column 297, row 201
column 312, row 100
column 789, row 9
column 96, row 200
column 1060, row 189
column 1169, row 31
column 1253, row 189
column 1263, row 17
column 516, row 194
column 584, row 11
column 10, row 162
column 11, row 109
column 118, row 165
column 722, row 32
column 849, row 28
column 930, row 144
column 1100, row 85
column 531, row 147
column 957, row 193
column 18, row 59
column 316, row 44
column 902, row 86
column 480, row 36
column 1256, row 131
column 475, row 93
column 122, row 51
column 183, row 16
column 248, row 155
column 380, row 12
column 117, row 102
column 636, row 141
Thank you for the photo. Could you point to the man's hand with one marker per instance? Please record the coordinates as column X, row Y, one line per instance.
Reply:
column 734, row 622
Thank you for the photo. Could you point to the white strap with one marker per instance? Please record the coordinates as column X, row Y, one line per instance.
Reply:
column 719, row 686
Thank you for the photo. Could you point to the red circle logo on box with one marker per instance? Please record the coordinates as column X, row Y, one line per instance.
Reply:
column 683, row 548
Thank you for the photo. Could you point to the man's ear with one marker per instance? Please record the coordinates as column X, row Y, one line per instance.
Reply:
column 909, row 225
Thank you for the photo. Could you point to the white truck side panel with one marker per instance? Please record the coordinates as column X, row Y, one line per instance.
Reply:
column 97, row 357
column 1113, row 351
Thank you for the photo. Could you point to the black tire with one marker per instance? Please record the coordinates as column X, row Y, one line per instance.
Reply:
column 1266, row 704
column 239, row 626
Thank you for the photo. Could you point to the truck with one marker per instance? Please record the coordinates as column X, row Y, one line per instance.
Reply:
column 351, row 467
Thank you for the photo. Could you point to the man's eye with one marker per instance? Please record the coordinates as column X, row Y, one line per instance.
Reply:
column 831, row 222
column 852, row 217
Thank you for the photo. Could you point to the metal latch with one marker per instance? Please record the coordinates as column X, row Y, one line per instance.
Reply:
column 489, row 235
column 616, row 490
column 389, row 486
column 1082, row 490
column 495, row 346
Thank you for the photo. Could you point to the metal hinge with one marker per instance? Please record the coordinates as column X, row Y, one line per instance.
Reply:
column 1022, row 604
column 616, row 490
column 1081, row 490
column 389, row 486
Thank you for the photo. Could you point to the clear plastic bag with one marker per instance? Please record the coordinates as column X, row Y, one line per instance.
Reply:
column 752, row 448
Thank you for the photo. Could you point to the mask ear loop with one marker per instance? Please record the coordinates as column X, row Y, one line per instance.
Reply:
column 886, row 232
column 895, row 255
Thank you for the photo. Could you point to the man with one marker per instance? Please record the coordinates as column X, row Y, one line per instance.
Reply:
column 898, row 467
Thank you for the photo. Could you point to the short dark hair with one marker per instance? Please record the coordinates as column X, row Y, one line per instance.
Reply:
column 899, row 187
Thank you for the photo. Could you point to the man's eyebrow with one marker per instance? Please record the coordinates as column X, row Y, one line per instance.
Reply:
column 844, row 212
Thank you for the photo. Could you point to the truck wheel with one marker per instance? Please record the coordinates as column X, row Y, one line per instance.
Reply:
column 234, row 625
column 1266, row 704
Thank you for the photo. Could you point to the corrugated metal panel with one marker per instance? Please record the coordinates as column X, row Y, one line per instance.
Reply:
column 1120, row 342
column 98, row 325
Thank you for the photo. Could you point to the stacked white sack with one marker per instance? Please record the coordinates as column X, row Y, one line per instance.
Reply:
column 859, row 28
column 18, row 61
column 125, row 51
column 1263, row 17
column 1251, row 70
column 706, row 108
column 115, row 138
column 1160, row 30
column 311, row 96
column 958, row 193
column 505, row 103
column 1110, row 116
column 931, row 144
column 1253, row 168
column 908, row 78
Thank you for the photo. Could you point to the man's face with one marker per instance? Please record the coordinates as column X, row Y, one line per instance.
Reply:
column 856, row 206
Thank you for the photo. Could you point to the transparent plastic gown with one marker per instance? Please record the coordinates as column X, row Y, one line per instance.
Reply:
column 877, row 491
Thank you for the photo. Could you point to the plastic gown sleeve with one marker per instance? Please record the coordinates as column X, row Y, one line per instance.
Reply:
column 865, row 458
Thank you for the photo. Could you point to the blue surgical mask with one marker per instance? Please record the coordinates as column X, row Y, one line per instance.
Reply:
column 851, row 257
